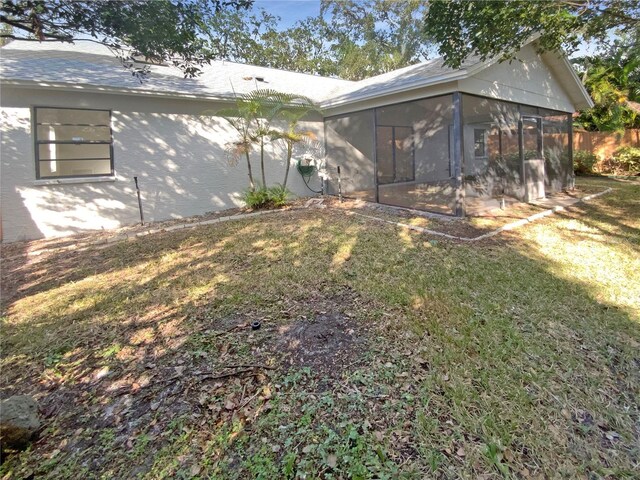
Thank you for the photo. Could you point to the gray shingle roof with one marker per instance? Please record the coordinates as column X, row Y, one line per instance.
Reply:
column 92, row 65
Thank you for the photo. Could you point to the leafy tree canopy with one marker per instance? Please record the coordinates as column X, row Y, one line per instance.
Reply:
column 351, row 39
column 369, row 37
column 256, row 38
column 161, row 31
column 613, row 81
column 499, row 28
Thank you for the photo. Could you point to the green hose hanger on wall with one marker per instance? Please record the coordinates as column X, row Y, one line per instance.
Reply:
column 306, row 170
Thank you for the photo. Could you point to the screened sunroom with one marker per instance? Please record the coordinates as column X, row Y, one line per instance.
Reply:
column 455, row 154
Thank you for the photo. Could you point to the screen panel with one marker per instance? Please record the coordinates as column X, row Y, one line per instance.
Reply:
column 420, row 173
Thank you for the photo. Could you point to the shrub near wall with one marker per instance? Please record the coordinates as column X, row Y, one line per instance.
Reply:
column 604, row 144
column 583, row 162
column 626, row 160
column 606, row 152
column 266, row 197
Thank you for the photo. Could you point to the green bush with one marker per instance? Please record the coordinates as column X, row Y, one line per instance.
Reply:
column 266, row 197
column 278, row 195
column 626, row 160
column 256, row 198
column 583, row 162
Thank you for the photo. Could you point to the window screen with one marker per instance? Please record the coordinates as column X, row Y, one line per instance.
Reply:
column 395, row 154
column 414, row 154
column 73, row 143
column 479, row 143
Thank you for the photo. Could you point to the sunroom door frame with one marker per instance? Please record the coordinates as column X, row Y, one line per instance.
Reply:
column 528, row 195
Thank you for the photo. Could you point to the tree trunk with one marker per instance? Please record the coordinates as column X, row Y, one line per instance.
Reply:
column 264, row 181
column 288, row 164
column 252, row 185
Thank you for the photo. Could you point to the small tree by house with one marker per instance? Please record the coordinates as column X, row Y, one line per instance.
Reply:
column 292, row 135
column 262, row 116
column 240, row 118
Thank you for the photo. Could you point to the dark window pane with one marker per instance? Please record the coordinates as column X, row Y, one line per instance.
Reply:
column 73, row 142
column 479, row 142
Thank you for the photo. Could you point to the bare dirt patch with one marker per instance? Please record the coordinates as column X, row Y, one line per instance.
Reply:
column 221, row 373
column 325, row 343
column 321, row 333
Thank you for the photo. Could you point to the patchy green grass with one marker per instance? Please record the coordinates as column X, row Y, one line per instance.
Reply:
column 382, row 353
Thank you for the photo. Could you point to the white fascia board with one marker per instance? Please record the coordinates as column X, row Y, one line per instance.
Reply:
column 113, row 90
column 391, row 91
column 577, row 80
column 425, row 91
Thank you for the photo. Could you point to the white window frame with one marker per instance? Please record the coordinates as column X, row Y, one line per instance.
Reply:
column 38, row 142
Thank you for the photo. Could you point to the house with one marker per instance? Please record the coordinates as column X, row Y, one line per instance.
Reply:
column 76, row 130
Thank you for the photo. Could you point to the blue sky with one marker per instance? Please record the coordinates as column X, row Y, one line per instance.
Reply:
column 289, row 10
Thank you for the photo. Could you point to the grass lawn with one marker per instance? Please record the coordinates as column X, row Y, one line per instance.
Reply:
column 382, row 353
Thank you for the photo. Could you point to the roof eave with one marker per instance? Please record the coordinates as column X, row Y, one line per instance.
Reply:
column 458, row 75
column 91, row 88
column 583, row 91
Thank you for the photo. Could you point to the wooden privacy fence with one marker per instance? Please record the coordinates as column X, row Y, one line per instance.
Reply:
column 603, row 144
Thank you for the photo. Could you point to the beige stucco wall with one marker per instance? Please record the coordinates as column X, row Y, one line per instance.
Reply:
column 180, row 161
column 527, row 80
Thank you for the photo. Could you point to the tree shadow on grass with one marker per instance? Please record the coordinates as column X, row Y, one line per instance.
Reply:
column 612, row 215
column 478, row 347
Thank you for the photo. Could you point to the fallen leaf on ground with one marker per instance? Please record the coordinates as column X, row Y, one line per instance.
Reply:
column 612, row 435
column 266, row 392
